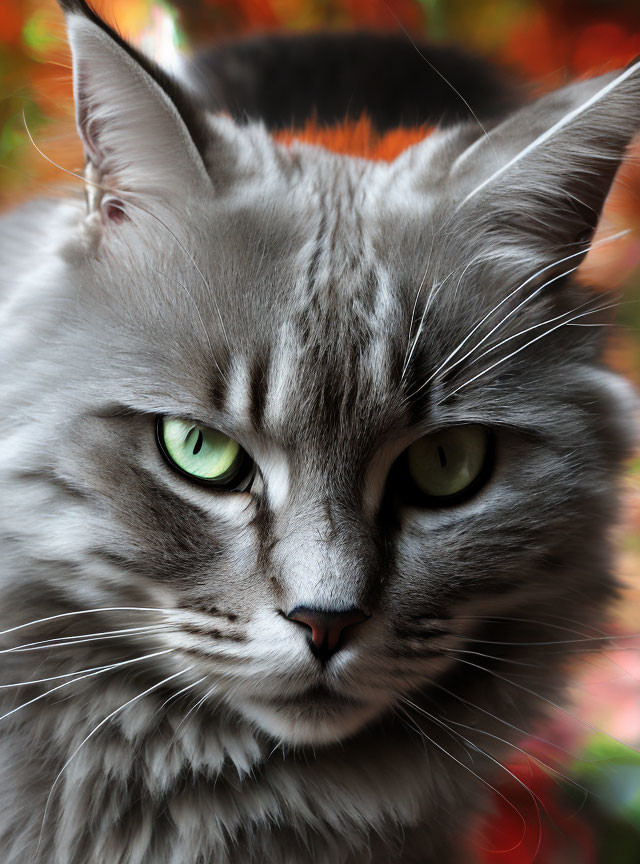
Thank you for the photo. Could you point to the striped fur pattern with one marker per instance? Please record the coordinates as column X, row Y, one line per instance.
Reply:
column 325, row 311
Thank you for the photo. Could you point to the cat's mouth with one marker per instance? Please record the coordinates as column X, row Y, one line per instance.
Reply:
column 318, row 715
column 320, row 696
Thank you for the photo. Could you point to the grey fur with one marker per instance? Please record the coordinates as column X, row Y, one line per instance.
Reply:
column 300, row 301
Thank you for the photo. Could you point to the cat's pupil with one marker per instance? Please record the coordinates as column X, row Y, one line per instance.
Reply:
column 443, row 457
column 198, row 445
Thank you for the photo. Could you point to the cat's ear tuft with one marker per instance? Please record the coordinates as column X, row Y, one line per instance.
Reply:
column 541, row 180
column 142, row 134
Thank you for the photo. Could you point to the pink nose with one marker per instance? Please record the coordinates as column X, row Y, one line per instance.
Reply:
column 326, row 627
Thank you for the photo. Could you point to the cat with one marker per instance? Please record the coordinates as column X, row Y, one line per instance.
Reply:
column 307, row 472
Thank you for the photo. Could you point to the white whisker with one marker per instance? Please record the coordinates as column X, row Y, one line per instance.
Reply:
column 60, row 168
column 543, row 698
column 411, row 344
column 206, row 285
column 475, row 707
column 408, row 353
column 557, row 127
column 131, row 203
column 93, row 732
column 71, row 674
column 488, row 656
column 182, row 690
column 89, row 612
column 99, row 671
column 195, row 306
column 477, row 326
column 446, row 81
column 526, row 345
column 564, row 315
column 512, row 293
column 445, row 725
column 194, row 707
column 459, row 762
column 524, row 752
column 68, row 641
column 522, row 348
column 534, row 621
column 435, row 290
column 504, row 320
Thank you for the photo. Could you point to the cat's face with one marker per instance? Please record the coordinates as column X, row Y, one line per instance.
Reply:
column 327, row 314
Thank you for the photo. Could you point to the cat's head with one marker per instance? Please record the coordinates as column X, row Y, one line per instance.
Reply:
column 336, row 416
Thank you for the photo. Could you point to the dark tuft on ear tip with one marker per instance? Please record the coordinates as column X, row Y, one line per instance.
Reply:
column 80, row 7
column 73, row 5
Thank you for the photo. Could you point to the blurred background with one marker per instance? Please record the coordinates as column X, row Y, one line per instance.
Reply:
column 596, row 743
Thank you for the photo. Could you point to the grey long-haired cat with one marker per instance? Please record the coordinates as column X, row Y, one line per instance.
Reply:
column 306, row 463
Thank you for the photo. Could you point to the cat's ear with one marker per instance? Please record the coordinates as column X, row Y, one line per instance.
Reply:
column 141, row 133
column 540, row 179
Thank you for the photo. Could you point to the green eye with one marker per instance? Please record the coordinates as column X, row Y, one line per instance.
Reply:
column 202, row 453
column 448, row 465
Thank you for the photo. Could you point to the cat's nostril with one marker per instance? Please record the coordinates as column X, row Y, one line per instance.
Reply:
column 327, row 627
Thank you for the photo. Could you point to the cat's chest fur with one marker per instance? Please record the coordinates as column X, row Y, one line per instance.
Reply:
column 160, row 786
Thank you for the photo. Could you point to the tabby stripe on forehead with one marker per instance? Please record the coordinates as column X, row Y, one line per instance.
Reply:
column 258, row 385
column 220, row 384
column 314, row 262
column 412, row 383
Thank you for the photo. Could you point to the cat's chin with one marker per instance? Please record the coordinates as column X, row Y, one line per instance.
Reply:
column 311, row 722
